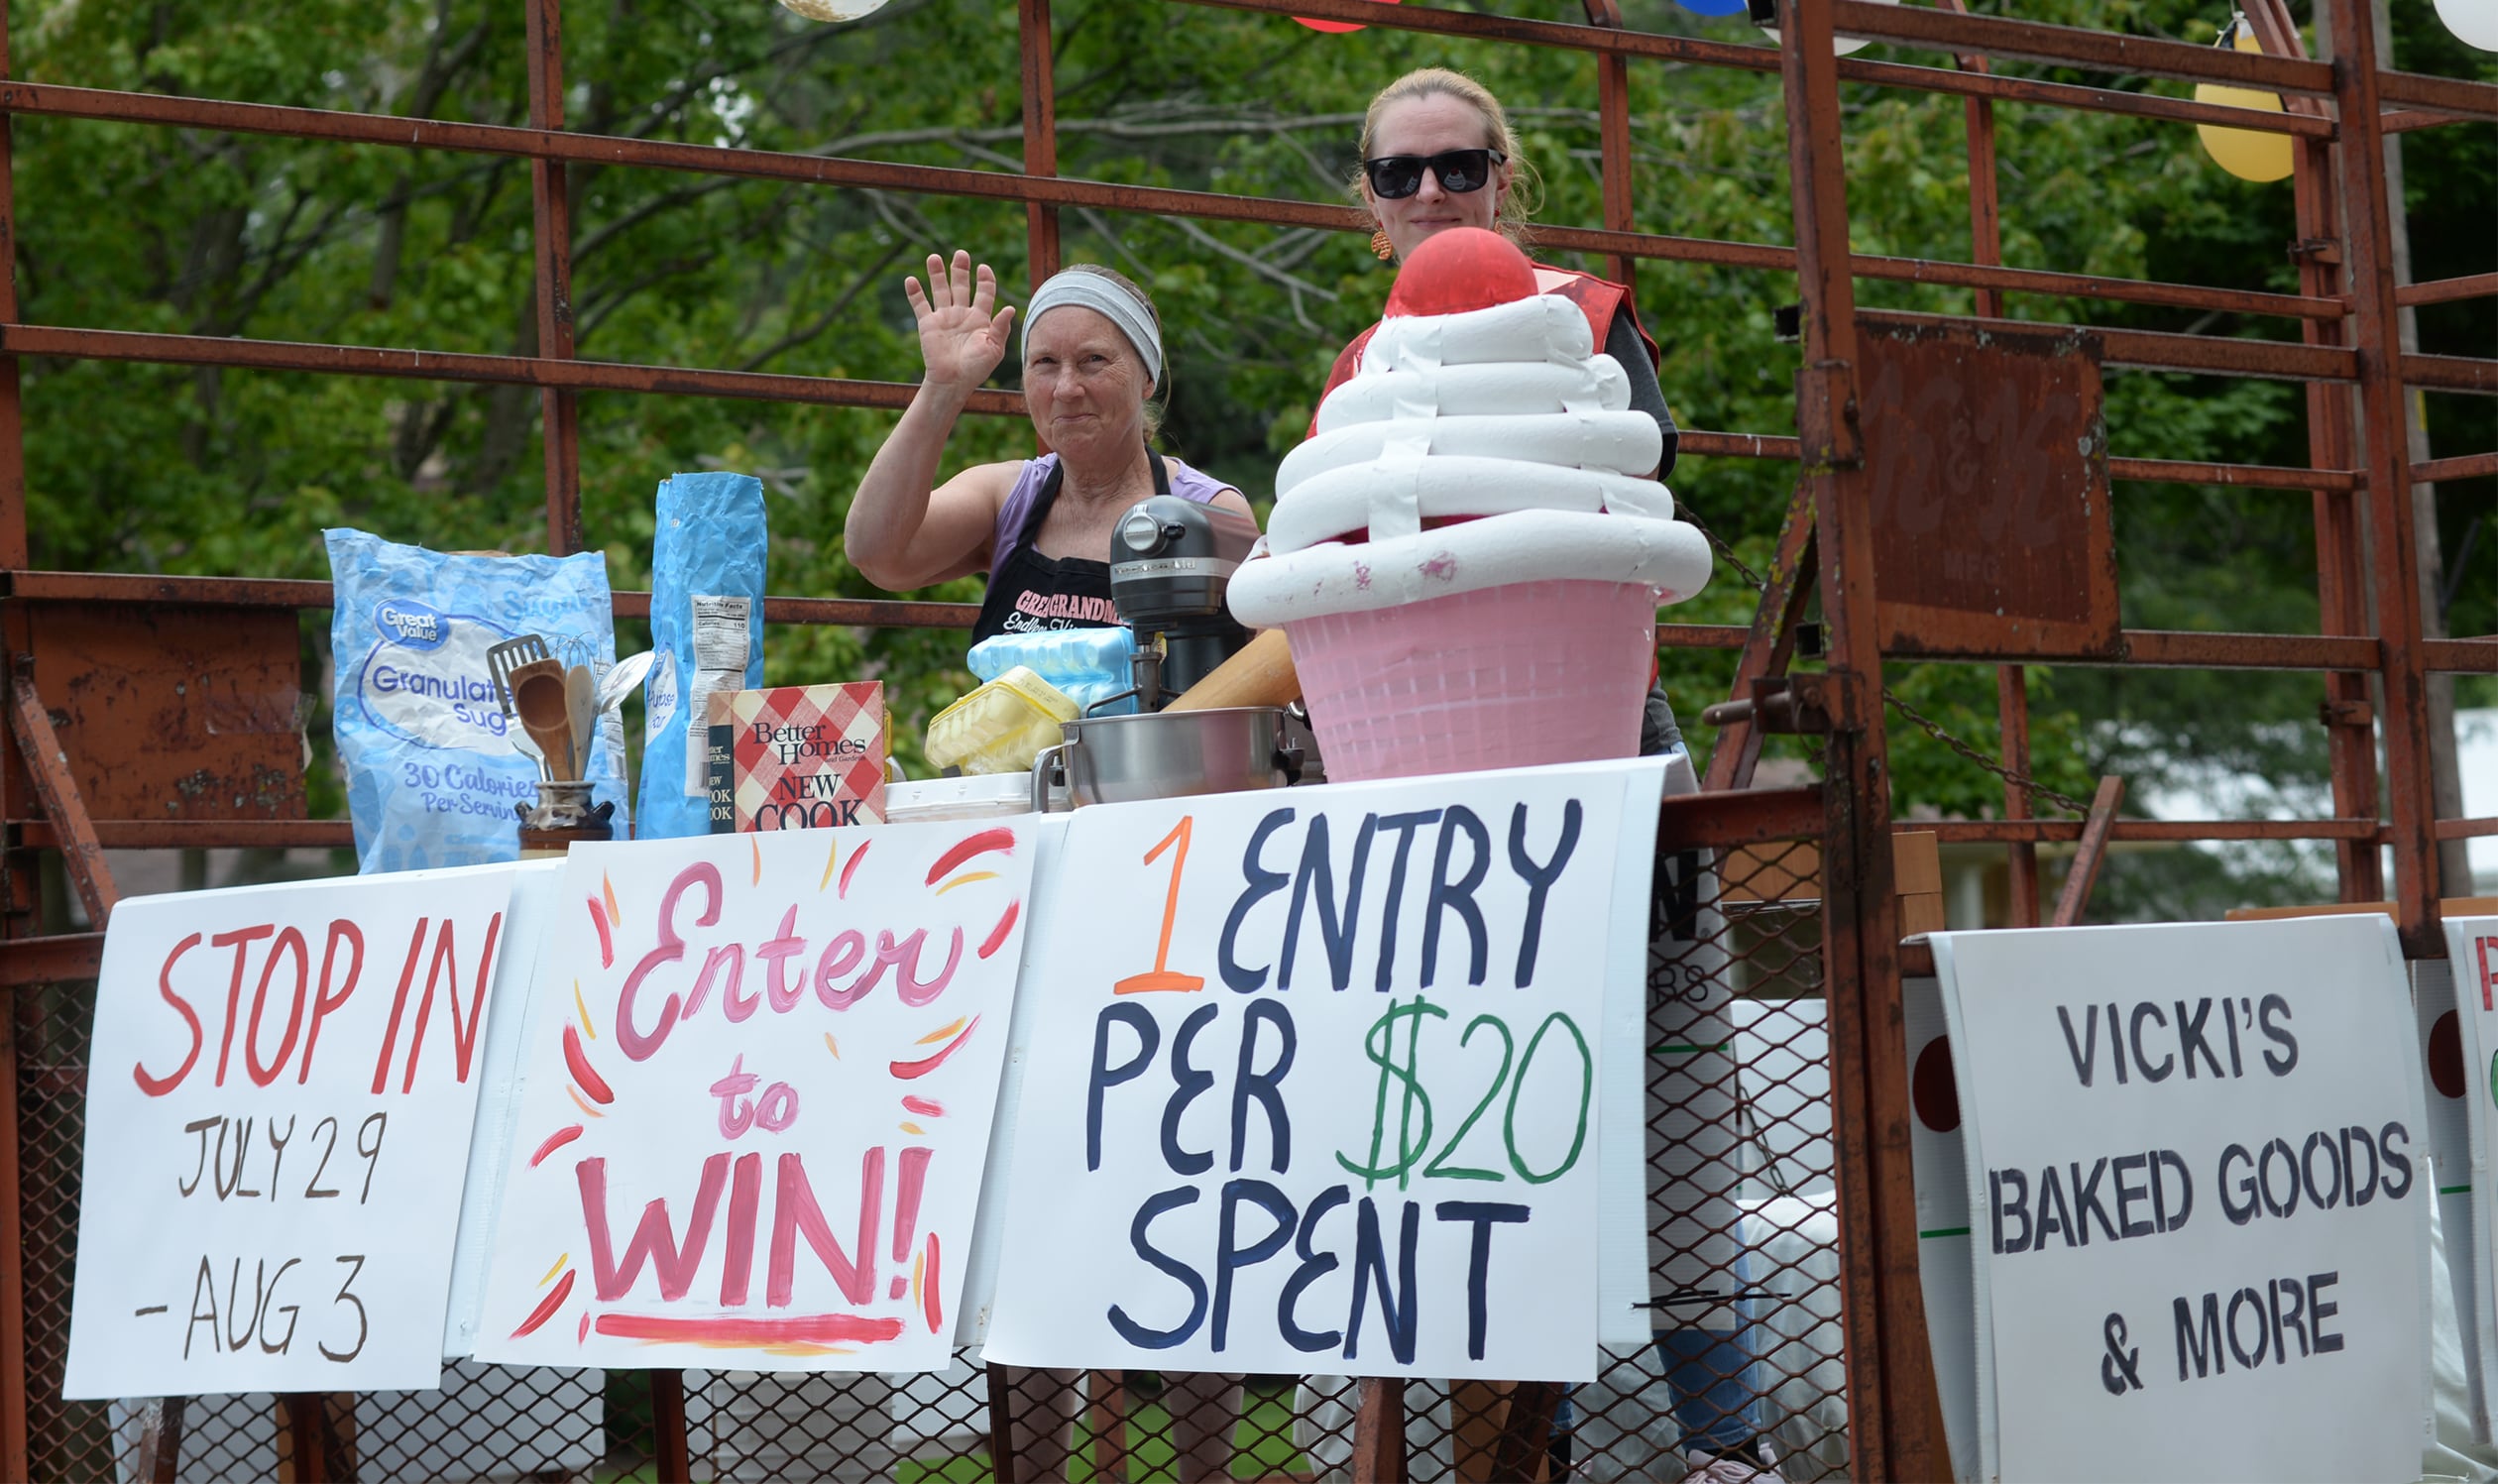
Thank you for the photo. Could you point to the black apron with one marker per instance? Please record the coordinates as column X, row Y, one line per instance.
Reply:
column 1062, row 593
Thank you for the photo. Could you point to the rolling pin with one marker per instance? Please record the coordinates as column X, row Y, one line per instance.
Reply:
column 1259, row 675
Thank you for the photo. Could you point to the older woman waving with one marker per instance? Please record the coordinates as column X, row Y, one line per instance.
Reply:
column 1093, row 361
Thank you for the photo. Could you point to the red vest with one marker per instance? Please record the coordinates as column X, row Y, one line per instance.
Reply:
column 1597, row 300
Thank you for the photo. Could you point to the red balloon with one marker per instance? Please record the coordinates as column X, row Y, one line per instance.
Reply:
column 1337, row 27
column 1461, row 268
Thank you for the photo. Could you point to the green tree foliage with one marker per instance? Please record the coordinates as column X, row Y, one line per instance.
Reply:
column 181, row 469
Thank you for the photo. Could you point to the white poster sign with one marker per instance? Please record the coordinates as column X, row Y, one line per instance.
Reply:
column 754, row 1101
column 280, row 1100
column 1313, row 1082
column 2472, row 1245
column 2198, row 1173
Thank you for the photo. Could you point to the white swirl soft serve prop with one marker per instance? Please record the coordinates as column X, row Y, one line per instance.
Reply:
column 1504, row 423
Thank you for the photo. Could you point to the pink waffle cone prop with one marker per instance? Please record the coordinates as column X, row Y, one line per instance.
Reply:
column 1512, row 677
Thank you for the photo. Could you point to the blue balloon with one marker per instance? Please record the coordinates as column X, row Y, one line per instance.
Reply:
column 1713, row 7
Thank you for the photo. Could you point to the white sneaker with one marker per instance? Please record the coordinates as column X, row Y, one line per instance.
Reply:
column 1729, row 1468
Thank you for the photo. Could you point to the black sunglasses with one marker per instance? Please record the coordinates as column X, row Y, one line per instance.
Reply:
column 1396, row 176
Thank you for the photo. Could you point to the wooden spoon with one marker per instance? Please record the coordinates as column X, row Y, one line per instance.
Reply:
column 537, row 695
column 581, row 700
column 1261, row 674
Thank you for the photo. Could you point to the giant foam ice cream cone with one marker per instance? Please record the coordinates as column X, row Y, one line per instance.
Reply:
column 1464, row 557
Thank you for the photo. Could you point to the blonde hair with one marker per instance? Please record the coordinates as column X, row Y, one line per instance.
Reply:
column 1517, row 207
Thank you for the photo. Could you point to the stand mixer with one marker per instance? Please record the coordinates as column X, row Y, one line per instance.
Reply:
column 1171, row 564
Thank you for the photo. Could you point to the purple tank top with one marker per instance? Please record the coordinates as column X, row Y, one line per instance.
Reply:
column 1186, row 483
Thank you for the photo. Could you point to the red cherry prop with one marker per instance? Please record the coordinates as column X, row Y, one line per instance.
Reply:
column 1338, row 27
column 1459, row 270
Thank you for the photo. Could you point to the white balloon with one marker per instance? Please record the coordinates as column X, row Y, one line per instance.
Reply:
column 1846, row 45
column 834, row 10
column 2473, row 21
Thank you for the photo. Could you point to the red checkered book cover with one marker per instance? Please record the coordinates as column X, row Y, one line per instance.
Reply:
column 804, row 757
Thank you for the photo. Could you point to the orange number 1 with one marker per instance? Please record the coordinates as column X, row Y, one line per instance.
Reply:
column 1160, row 976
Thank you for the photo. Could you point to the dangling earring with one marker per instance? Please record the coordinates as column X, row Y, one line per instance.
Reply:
column 1381, row 247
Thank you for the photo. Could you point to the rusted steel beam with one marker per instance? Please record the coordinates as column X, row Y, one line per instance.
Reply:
column 2046, row 831
column 1738, row 816
column 127, row 587
column 2155, row 350
column 2448, row 291
column 1039, row 124
column 2466, row 466
column 1700, row 635
column 2068, row 45
column 668, row 1422
column 2383, row 410
column 55, row 960
column 58, row 788
column 2466, row 829
column 1697, row 444
column 2450, row 373
column 2341, row 579
column 550, row 234
column 160, row 1452
column 1613, row 115
column 2181, row 649
column 14, row 1459
column 1379, row 1440
column 2479, row 100
column 2240, row 476
column 2020, row 857
column 1768, row 642
column 1002, row 1429
column 855, row 613
column 299, row 593
column 198, row 834
column 2462, row 656
column 2082, row 98
column 2084, row 872
column 2093, row 286
column 440, row 366
column 307, row 1453
column 1894, row 1407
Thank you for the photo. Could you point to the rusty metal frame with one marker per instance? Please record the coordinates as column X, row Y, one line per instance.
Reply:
column 2348, row 356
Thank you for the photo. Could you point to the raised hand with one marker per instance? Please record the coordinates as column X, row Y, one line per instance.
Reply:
column 961, row 339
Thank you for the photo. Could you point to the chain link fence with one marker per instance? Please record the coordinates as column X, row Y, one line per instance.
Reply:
column 1746, row 1363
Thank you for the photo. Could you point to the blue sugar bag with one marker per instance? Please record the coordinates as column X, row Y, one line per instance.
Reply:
column 432, row 774
column 1088, row 664
column 707, row 626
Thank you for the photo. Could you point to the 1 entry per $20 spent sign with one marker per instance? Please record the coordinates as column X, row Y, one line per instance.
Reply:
column 278, row 1104
column 1314, row 1083
column 755, row 1102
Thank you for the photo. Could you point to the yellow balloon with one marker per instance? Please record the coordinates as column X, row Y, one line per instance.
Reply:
column 2248, row 154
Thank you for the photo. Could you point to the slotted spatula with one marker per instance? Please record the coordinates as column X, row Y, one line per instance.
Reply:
column 510, row 655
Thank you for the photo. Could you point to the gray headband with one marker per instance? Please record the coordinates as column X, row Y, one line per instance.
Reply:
column 1091, row 290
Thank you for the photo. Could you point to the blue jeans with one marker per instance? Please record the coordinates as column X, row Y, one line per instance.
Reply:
column 1714, row 1375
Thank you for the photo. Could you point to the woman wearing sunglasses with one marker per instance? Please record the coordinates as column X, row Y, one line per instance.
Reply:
column 1437, row 151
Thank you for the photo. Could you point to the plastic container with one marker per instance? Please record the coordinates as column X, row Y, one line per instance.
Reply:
column 928, row 800
column 1514, row 676
column 1000, row 726
column 1088, row 665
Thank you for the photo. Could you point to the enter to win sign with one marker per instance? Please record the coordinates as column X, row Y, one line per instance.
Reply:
column 2199, row 1190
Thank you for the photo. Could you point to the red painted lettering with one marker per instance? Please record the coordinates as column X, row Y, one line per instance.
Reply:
column 158, row 1086
column 653, row 1238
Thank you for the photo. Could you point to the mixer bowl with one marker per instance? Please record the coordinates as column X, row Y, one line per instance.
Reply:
column 1170, row 755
